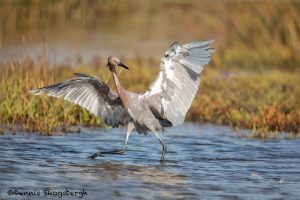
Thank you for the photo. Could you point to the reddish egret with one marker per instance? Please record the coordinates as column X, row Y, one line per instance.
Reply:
column 164, row 104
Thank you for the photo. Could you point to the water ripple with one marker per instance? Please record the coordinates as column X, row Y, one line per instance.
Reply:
column 202, row 162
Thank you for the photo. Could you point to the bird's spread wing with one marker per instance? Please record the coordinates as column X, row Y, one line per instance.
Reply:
column 175, row 87
column 92, row 94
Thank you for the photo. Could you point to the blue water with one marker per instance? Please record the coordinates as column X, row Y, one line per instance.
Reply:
column 202, row 162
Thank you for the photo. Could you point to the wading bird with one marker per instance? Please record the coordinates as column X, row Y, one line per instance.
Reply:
column 164, row 104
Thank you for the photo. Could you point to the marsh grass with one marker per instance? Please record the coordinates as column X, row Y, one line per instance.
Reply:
column 265, row 101
column 20, row 109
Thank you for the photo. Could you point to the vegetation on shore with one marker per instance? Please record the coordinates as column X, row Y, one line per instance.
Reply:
column 263, row 100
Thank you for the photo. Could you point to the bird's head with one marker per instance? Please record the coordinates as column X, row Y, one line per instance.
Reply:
column 113, row 62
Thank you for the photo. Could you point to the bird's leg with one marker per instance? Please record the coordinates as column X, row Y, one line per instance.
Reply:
column 117, row 151
column 129, row 130
column 164, row 146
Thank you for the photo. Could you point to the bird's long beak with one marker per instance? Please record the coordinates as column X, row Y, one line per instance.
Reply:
column 122, row 65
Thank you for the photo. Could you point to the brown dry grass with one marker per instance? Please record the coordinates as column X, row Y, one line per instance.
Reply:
column 261, row 100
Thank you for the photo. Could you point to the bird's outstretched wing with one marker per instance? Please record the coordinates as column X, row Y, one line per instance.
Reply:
column 92, row 94
column 176, row 85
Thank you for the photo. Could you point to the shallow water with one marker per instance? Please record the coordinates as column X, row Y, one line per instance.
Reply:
column 203, row 161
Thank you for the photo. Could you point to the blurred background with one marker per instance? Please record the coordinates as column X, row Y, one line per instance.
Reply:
column 246, row 32
column 251, row 82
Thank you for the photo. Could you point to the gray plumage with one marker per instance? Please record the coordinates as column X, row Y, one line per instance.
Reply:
column 164, row 104
column 92, row 94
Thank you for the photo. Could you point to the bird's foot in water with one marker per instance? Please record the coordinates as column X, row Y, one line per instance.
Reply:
column 95, row 155
column 101, row 153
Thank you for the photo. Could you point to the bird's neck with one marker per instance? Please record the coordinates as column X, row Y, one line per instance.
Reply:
column 120, row 89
